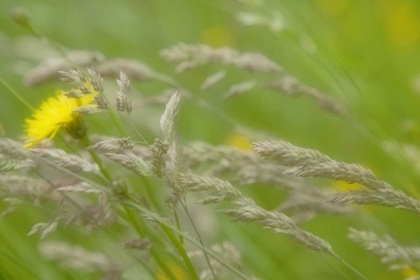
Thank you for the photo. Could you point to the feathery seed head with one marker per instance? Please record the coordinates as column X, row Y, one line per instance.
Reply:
column 124, row 95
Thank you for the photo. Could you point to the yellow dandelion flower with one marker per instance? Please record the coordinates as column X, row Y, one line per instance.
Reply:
column 55, row 113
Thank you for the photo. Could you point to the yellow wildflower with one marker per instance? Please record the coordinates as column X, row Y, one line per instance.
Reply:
column 402, row 23
column 409, row 273
column 239, row 141
column 218, row 36
column 344, row 186
column 55, row 113
column 177, row 270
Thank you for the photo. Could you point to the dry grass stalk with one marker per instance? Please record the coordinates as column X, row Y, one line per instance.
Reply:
column 135, row 69
column 87, row 110
column 213, row 80
column 76, row 257
column 203, row 153
column 9, row 164
column 112, row 145
column 247, row 211
column 190, row 57
column 168, row 119
column 306, row 205
column 312, row 163
column 228, row 253
column 131, row 162
column 388, row 249
column 240, row 88
column 72, row 162
column 291, row 86
column 12, row 204
column 159, row 149
column 45, row 228
column 273, row 21
column 245, row 168
column 24, row 187
column 124, row 95
column 94, row 216
column 49, row 69
column 137, row 244
column 82, row 187
column 13, row 149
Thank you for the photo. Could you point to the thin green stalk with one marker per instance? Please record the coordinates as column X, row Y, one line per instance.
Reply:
column 151, row 193
column 181, row 251
column 178, row 225
column 187, row 237
column 17, row 95
column 129, row 212
column 145, row 211
column 130, row 121
column 332, row 253
column 73, row 174
column 339, row 270
column 173, row 239
column 139, row 229
column 94, row 155
column 116, row 122
column 69, row 199
column 183, row 202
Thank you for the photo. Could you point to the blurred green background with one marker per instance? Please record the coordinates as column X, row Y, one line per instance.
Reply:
column 364, row 54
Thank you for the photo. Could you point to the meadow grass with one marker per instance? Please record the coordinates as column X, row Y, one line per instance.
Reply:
column 174, row 146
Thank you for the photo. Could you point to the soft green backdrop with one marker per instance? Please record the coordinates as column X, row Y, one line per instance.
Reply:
column 363, row 53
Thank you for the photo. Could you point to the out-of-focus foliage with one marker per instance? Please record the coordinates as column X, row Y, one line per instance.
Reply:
column 362, row 54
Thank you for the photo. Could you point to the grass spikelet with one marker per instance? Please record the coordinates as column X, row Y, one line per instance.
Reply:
column 12, row 205
column 291, row 86
column 82, row 187
column 168, row 119
column 190, row 57
column 137, row 244
column 311, row 163
column 53, row 67
column 13, row 149
column 238, row 89
column 159, row 150
column 383, row 197
column 201, row 153
column 44, row 228
column 9, row 164
column 76, row 257
column 73, row 77
column 248, row 211
column 131, row 162
column 135, row 69
column 95, row 80
column 285, row 153
column 178, row 160
column 227, row 251
column 387, row 249
column 112, row 145
column 124, row 95
column 72, row 162
column 213, row 80
column 87, row 110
